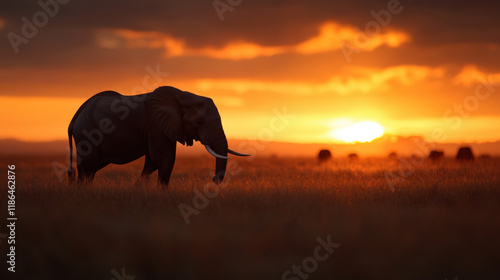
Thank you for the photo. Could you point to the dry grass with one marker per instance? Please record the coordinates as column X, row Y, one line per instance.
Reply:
column 440, row 222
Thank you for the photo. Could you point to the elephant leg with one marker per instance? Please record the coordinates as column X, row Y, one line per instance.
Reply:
column 87, row 168
column 166, row 164
column 149, row 167
column 85, row 175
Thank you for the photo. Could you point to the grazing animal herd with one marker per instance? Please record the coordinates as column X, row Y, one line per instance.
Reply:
column 464, row 154
column 112, row 128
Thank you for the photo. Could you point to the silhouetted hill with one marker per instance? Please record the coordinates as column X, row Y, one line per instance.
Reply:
column 17, row 147
column 381, row 147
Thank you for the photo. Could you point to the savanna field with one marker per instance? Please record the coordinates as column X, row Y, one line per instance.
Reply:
column 439, row 221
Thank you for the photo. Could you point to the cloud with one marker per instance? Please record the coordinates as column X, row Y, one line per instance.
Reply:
column 470, row 75
column 129, row 39
column 175, row 47
column 282, row 23
column 331, row 37
column 361, row 80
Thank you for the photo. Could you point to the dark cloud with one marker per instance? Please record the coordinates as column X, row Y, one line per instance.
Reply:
column 443, row 33
column 271, row 22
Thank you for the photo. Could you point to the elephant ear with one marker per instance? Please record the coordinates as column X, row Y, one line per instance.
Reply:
column 194, row 106
column 164, row 111
column 194, row 109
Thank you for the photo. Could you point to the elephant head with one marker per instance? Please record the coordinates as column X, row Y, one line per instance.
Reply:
column 185, row 117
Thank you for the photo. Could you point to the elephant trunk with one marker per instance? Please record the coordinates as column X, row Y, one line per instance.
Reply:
column 220, row 147
column 220, row 170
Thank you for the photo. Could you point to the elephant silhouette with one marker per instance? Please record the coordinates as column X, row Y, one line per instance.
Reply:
column 465, row 154
column 436, row 155
column 113, row 128
column 324, row 156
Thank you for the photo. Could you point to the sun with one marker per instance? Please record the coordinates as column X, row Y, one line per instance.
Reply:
column 359, row 132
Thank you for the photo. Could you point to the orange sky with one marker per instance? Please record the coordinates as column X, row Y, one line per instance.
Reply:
column 429, row 69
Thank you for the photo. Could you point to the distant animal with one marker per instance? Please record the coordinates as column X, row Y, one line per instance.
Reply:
column 324, row 156
column 465, row 154
column 436, row 155
column 113, row 128
column 484, row 157
column 353, row 156
column 392, row 156
column 415, row 158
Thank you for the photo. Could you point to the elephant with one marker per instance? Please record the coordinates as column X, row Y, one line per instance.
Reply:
column 393, row 155
column 324, row 156
column 353, row 156
column 484, row 157
column 113, row 128
column 435, row 155
column 465, row 154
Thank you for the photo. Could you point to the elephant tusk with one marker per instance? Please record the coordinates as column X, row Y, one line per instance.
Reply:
column 236, row 153
column 214, row 153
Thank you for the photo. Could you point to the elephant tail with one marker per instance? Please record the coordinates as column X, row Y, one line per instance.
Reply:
column 71, row 171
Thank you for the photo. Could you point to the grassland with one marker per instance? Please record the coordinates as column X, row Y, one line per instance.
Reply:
column 440, row 222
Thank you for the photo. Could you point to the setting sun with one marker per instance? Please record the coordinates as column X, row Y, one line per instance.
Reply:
column 359, row 132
